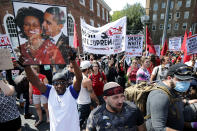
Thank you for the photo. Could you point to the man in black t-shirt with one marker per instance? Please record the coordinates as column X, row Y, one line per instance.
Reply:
column 116, row 114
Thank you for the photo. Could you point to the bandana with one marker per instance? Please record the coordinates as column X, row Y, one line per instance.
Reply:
column 113, row 91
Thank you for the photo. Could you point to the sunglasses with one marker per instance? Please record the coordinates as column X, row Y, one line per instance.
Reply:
column 56, row 83
column 185, row 70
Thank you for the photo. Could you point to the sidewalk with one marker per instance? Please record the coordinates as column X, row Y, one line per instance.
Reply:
column 28, row 124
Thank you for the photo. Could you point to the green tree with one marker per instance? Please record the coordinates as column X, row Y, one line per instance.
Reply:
column 133, row 13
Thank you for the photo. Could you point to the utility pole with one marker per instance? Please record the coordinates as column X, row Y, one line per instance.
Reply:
column 166, row 21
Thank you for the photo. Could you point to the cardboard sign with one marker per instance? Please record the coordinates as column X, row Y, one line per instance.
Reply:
column 192, row 45
column 5, row 43
column 108, row 39
column 175, row 44
column 5, row 60
column 39, row 42
column 134, row 45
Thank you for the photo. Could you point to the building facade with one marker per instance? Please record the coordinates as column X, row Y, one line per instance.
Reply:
column 94, row 12
column 182, row 16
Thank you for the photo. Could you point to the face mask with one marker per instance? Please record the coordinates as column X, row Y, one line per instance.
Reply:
column 182, row 86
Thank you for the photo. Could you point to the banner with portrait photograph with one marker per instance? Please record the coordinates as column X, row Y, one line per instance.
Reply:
column 108, row 39
column 192, row 45
column 5, row 43
column 175, row 44
column 42, row 31
column 134, row 45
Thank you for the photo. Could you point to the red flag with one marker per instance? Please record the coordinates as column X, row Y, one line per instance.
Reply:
column 75, row 41
column 149, row 43
column 184, row 48
column 164, row 49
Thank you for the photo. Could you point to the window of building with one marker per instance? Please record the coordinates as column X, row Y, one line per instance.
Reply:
column 176, row 26
column 186, row 14
column 91, row 5
column 155, row 6
column 91, row 22
column 170, row 16
column 163, row 5
column 179, row 4
column 82, row 2
column 172, row 5
column 177, row 14
column 161, row 26
column 154, row 17
column 10, row 29
column 70, row 29
column 188, row 3
column 162, row 16
column 103, row 14
column 169, row 27
column 184, row 26
column 98, row 9
column 153, row 27
column 107, row 16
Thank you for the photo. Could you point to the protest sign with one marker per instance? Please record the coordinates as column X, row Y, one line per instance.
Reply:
column 157, row 49
column 175, row 44
column 192, row 45
column 108, row 39
column 5, row 43
column 134, row 45
column 41, row 41
column 5, row 59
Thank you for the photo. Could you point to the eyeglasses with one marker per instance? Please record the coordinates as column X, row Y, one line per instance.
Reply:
column 56, row 83
column 185, row 70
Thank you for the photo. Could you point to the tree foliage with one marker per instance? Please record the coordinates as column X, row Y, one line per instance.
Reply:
column 133, row 13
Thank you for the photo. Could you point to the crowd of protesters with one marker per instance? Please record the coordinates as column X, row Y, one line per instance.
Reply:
column 88, row 93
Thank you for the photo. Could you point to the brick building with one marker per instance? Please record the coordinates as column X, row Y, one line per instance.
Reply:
column 182, row 16
column 94, row 12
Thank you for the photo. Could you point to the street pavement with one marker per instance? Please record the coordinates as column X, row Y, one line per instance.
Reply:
column 28, row 124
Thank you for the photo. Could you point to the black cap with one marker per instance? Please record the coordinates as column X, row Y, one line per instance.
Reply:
column 59, row 76
column 181, row 71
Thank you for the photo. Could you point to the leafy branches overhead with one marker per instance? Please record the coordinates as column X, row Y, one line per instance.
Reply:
column 133, row 13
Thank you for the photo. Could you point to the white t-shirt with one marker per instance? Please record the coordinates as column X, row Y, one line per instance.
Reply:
column 159, row 72
column 63, row 111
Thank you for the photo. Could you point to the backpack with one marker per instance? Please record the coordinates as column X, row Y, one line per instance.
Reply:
column 139, row 93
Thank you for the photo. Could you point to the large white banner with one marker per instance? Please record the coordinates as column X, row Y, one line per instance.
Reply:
column 134, row 45
column 175, row 44
column 108, row 39
column 192, row 45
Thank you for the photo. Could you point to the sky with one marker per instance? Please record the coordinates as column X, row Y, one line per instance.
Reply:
column 116, row 5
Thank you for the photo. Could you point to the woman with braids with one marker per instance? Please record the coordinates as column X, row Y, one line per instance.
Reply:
column 36, row 50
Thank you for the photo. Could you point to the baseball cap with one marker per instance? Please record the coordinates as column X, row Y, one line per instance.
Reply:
column 85, row 65
column 181, row 71
column 110, row 85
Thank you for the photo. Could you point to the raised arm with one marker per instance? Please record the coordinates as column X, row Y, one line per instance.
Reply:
column 6, row 88
column 78, row 76
column 33, row 78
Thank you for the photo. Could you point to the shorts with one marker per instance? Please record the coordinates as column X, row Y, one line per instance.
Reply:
column 12, row 125
column 39, row 99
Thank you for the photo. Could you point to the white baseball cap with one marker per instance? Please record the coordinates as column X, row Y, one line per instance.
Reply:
column 85, row 65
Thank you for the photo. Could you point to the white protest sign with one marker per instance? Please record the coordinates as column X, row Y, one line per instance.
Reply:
column 5, row 59
column 5, row 43
column 175, row 44
column 108, row 39
column 157, row 49
column 134, row 45
column 192, row 45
